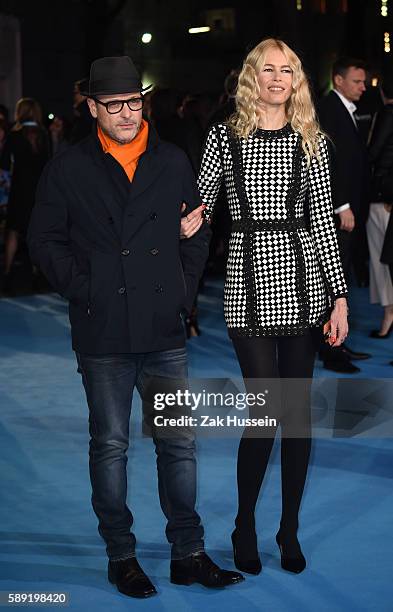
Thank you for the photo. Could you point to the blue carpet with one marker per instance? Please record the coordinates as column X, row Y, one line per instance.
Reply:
column 48, row 537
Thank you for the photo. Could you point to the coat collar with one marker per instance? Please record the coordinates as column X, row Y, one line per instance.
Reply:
column 117, row 191
column 152, row 141
column 150, row 164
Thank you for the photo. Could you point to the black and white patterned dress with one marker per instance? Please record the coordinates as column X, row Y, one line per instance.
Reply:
column 284, row 267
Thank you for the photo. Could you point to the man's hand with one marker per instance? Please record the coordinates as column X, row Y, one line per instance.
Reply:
column 192, row 222
column 387, row 207
column 347, row 220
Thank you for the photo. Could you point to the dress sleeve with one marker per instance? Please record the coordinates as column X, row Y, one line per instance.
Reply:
column 322, row 225
column 211, row 171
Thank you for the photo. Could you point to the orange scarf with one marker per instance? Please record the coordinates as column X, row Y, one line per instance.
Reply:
column 127, row 154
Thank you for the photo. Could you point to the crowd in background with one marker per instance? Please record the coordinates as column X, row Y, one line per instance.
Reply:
column 28, row 141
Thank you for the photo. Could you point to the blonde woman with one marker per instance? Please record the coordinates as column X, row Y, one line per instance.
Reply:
column 284, row 273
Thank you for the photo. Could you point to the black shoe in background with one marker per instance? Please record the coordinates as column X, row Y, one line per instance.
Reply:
column 354, row 354
column 375, row 333
column 337, row 359
column 344, row 367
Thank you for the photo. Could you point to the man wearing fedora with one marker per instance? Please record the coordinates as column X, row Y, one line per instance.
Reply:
column 105, row 231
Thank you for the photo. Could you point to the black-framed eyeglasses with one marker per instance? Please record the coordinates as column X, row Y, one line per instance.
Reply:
column 116, row 106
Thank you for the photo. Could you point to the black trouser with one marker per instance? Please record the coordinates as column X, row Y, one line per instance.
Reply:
column 109, row 382
column 284, row 357
column 354, row 252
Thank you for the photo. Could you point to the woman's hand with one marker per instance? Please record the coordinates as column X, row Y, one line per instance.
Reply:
column 338, row 322
column 192, row 222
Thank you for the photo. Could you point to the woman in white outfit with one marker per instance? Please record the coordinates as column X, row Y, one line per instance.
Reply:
column 284, row 271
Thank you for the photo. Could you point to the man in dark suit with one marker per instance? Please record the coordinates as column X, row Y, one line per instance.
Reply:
column 350, row 185
column 106, row 232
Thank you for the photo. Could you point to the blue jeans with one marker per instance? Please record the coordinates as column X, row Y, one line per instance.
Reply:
column 109, row 381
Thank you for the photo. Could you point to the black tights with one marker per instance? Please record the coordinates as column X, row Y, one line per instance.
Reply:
column 276, row 357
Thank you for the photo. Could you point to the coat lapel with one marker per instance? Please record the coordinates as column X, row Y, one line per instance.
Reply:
column 149, row 168
column 109, row 204
column 117, row 194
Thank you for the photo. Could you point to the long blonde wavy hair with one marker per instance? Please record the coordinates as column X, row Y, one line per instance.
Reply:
column 300, row 111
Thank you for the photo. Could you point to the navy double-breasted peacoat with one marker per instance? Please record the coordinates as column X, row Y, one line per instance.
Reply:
column 113, row 248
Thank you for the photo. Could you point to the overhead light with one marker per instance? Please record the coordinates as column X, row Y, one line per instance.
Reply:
column 51, row 116
column 199, row 30
column 146, row 37
column 299, row 5
column 374, row 82
column 384, row 8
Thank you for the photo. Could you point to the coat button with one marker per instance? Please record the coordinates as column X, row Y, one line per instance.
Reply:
column 122, row 290
column 153, row 216
column 159, row 289
column 153, row 251
column 125, row 252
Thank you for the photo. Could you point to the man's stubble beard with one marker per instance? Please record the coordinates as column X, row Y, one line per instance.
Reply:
column 121, row 141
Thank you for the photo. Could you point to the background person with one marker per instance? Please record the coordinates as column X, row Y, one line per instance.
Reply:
column 24, row 155
column 381, row 159
column 350, row 185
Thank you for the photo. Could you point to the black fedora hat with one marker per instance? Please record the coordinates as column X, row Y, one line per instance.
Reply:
column 112, row 75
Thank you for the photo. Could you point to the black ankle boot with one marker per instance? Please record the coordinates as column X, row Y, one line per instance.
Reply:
column 198, row 567
column 130, row 578
column 245, row 551
column 292, row 558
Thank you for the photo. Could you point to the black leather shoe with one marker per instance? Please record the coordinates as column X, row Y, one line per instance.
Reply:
column 245, row 553
column 353, row 354
column 375, row 333
column 292, row 558
column 130, row 578
column 345, row 367
column 200, row 568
